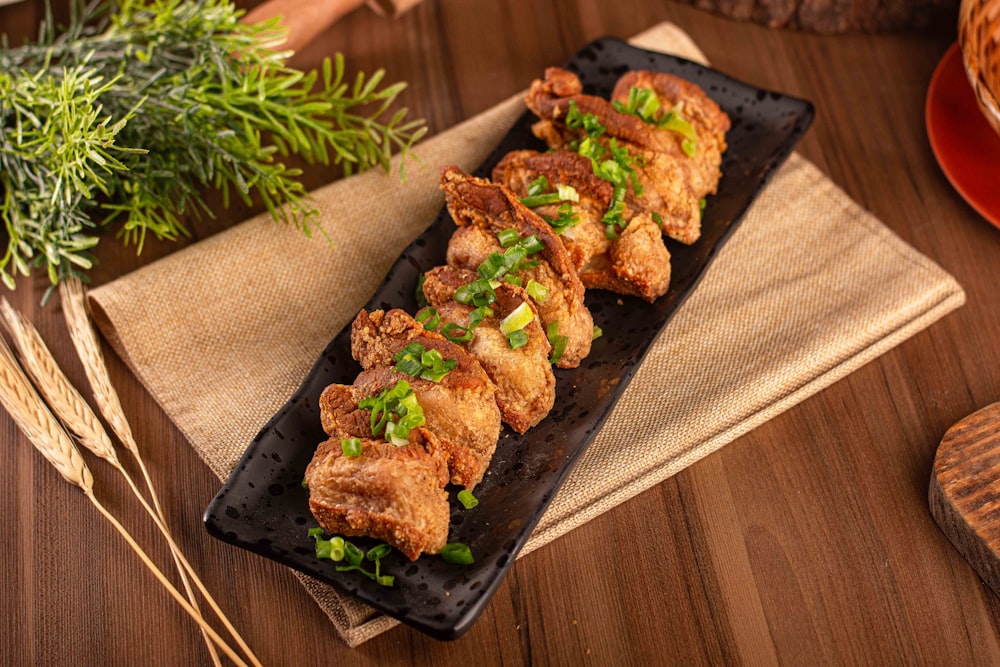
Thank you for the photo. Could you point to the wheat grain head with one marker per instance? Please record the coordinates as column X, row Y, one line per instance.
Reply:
column 29, row 412
column 88, row 348
column 63, row 398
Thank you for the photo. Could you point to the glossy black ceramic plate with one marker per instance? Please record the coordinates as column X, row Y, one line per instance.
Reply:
column 263, row 507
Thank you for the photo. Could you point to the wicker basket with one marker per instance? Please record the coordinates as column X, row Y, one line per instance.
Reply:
column 979, row 37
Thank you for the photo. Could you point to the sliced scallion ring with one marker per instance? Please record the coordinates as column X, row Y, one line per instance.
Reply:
column 518, row 318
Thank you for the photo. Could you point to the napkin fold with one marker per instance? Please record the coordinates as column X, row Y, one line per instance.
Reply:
column 809, row 288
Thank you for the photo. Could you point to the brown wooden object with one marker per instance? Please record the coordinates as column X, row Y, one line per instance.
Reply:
column 837, row 16
column 964, row 493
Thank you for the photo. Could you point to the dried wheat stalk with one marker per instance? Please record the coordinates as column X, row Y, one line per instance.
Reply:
column 79, row 419
column 44, row 431
column 89, row 350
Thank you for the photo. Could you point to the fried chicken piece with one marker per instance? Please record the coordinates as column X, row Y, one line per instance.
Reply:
column 710, row 122
column 636, row 262
column 526, row 387
column 460, row 410
column 395, row 494
column 671, row 184
column 481, row 209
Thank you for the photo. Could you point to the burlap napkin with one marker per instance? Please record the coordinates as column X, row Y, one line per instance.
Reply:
column 808, row 289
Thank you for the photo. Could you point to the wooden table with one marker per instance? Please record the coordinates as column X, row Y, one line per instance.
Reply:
column 806, row 541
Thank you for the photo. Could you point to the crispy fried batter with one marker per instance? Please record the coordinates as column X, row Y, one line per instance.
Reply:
column 391, row 493
column 709, row 121
column 623, row 265
column 460, row 410
column 481, row 209
column 523, row 377
column 671, row 183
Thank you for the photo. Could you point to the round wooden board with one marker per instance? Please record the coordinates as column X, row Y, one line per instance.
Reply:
column 964, row 493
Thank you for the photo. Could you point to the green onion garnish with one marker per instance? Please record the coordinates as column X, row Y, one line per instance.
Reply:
column 518, row 318
column 351, row 447
column 598, row 332
column 558, row 342
column 590, row 123
column 419, row 293
column 507, row 237
column 456, row 333
column 531, row 244
column 457, row 553
column 537, row 291
column 467, row 499
column 562, row 193
column 477, row 293
column 429, row 318
column 642, row 103
column 538, row 186
column 339, row 550
column 567, row 218
column 517, row 339
column 395, row 412
column 513, row 280
column 378, row 551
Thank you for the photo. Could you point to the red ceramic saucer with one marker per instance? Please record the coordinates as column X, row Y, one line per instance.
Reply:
column 963, row 142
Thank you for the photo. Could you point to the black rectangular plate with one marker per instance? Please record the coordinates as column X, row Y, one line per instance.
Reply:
column 263, row 507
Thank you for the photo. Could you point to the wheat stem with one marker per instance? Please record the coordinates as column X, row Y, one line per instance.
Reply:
column 192, row 612
column 89, row 350
column 50, row 439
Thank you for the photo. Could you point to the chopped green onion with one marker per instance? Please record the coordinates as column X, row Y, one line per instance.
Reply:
column 598, row 332
column 702, row 203
column 378, row 551
column 507, row 237
column 642, row 102
column 467, row 499
column 532, row 244
column 351, row 447
column 337, row 548
column 517, row 339
column 541, row 200
column 674, row 122
column 558, row 342
column 567, row 192
column 429, row 318
column 537, row 291
column 419, row 293
column 562, row 193
column 332, row 548
column 590, row 123
column 394, row 411
column 352, row 554
column 513, row 280
column 538, row 186
column 304, row 484
column 456, row 333
column 518, row 318
column 567, row 218
column 477, row 293
column 457, row 553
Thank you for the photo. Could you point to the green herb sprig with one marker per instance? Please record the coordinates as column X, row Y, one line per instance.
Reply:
column 139, row 106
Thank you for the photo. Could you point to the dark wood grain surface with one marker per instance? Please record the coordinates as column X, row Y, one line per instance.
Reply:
column 807, row 541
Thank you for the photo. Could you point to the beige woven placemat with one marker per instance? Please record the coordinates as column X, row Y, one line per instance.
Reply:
column 809, row 288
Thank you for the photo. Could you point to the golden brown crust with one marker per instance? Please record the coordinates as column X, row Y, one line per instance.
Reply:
column 671, row 182
column 481, row 209
column 523, row 377
column 395, row 494
column 623, row 265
